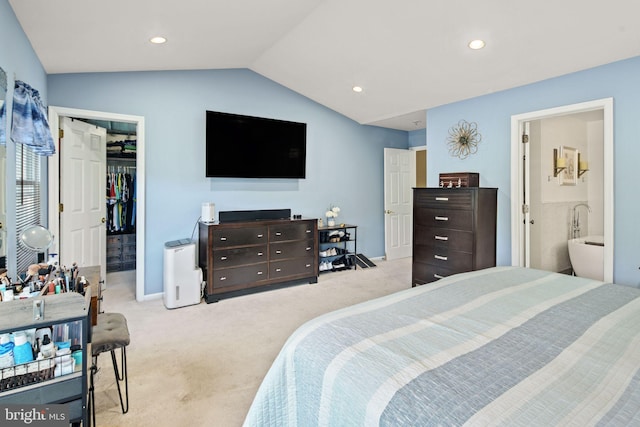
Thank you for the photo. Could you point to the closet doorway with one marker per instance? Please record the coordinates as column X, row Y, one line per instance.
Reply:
column 121, row 182
column 54, row 172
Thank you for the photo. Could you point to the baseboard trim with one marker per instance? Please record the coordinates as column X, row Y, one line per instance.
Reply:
column 152, row 297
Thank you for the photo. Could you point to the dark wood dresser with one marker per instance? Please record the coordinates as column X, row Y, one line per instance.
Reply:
column 454, row 230
column 242, row 257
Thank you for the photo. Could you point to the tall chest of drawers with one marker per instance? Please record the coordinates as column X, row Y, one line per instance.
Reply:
column 243, row 257
column 454, row 230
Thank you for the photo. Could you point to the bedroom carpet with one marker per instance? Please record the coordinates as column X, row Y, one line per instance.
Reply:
column 202, row 365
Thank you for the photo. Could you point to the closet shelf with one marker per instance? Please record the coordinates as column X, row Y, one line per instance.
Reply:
column 122, row 156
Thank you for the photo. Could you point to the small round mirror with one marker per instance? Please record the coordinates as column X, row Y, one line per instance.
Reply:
column 37, row 238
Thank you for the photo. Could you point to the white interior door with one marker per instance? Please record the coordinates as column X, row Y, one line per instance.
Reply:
column 399, row 178
column 82, row 194
column 528, row 205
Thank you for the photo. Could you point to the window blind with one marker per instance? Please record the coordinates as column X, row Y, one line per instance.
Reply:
column 28, row 186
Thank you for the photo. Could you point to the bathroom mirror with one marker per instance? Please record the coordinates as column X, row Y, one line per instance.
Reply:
column 3, row 167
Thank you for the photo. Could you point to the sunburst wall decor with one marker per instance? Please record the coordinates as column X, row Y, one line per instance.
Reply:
column 463, row 139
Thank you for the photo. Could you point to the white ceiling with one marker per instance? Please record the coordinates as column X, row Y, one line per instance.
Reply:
column 408, row 55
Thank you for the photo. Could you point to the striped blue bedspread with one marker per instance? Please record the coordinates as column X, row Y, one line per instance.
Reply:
column 505, row 346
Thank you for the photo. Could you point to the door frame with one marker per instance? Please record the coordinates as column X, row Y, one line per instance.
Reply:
column 55, row 112
column 518, row 216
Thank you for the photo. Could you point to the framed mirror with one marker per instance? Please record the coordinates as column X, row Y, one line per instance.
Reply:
column 3, row 167
column 3, row 110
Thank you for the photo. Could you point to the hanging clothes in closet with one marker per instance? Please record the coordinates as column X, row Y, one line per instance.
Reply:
column 121, row 200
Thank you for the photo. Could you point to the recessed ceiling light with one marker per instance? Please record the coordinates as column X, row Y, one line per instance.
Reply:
column 357, row 89
column 158, row 40
column 476, row 44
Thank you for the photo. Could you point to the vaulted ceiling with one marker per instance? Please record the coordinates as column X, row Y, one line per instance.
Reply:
column 407, row 55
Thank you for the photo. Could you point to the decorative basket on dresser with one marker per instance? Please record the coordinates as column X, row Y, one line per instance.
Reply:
column 454, row 230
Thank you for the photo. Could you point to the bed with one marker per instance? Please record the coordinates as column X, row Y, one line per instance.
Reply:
column 504, row 346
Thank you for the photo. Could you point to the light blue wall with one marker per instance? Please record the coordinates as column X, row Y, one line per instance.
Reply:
column 19, row 61
column 620, row 80
column 345, row 165
column 344, row 159
column 418, row 138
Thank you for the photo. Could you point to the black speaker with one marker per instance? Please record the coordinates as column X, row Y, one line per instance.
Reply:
column 253, row 215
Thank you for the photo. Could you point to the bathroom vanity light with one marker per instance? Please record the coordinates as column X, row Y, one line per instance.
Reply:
column 583, row 166
column 559, row 163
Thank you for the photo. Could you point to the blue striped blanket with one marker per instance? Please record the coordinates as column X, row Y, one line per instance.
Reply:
column 505, row 346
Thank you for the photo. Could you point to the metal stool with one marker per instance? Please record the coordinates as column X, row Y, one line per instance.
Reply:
column 110, row 333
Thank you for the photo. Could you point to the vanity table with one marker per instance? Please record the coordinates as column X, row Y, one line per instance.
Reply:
column 37, row 383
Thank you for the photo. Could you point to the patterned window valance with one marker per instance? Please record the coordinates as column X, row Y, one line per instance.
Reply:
column 29, row 124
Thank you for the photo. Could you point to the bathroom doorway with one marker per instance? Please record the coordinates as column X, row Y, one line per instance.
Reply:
column 545, row 207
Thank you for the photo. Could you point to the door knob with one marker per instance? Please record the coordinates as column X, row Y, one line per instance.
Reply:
column 103, row 220
column 531, row 222
column 388, row 211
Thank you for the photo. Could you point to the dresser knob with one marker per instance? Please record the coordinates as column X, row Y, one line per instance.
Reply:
column 260, row 253
column 442, row 218
column 440, row 257
column 223, row 278
column 223, row 258
column 260, row 236
column 278, row 270
column 442, row 238
column 259, row 273
column 442, row 199
column 278, row 252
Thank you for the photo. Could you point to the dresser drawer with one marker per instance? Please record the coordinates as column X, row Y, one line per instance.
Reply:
column 442, row 198
column 239, row 275
column 453, row 239
column 128, row 249
column 226, row 237
column 443, row 218
column 225, row 258
column 114, row 240
column 291, row 231
column 278, row 251
column 128, row 238
column 444, row 257
column 114, row 259
column 292, row 267
column 425, row 273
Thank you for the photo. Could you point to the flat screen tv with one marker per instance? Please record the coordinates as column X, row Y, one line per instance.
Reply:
column 254, row 147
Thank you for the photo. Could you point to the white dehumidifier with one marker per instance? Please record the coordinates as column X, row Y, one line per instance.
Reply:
column 182, row 279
